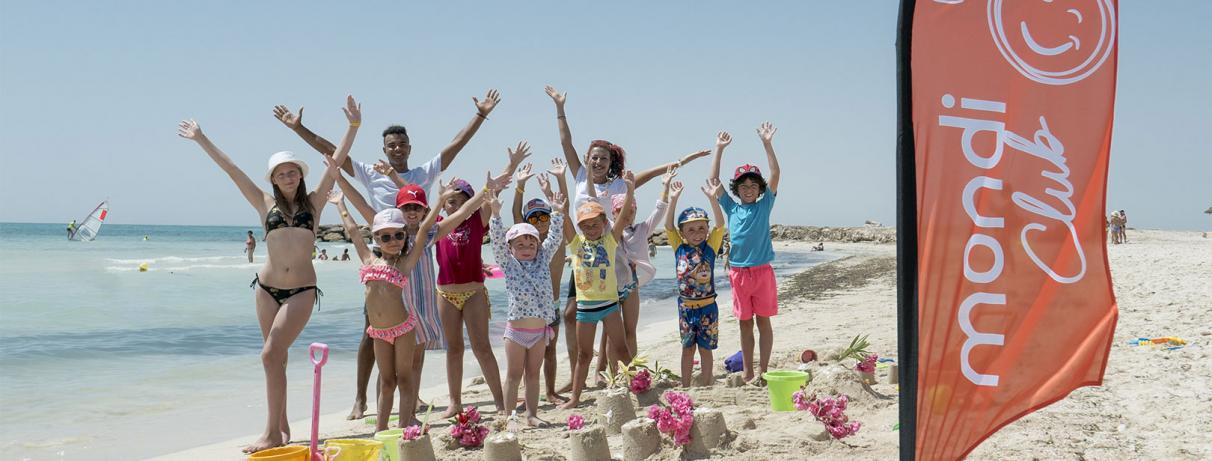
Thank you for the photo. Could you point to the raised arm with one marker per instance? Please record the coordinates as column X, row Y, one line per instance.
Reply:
column 557, row 169
column 496, row 232
column 519, row 191
column 189, row 129
column 353, row 113
column 356, row 198
column 662, row 206
column 714, row 189
column 385, row 169
column 570, row 153
column 321, row 145
column 649, row 174
column 555, row 233
column 766, row 132
column 722, row 140
column 675, row 192
column 627, row 212
column 351, row 228
column 483, row 108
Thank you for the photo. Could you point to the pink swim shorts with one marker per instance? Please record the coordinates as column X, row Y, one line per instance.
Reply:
column 754, row 292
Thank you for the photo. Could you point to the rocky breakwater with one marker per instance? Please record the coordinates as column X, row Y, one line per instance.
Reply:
column 869, row 233
column 336, row 233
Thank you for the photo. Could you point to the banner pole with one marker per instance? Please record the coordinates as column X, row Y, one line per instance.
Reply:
column 906, row 237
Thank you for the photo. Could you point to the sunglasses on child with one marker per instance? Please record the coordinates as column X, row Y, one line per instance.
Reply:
column 386, row 238
column 538, row 218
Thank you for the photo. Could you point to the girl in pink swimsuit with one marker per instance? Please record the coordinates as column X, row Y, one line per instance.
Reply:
column 391, row 323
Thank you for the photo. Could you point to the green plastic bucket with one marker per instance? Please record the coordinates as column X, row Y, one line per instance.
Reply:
column 781, row 385
column 391, row 442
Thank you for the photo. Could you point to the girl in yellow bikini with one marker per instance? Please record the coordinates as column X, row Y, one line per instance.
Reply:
column 462, row 298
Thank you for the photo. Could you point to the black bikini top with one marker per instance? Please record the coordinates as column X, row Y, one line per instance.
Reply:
column 275, row 219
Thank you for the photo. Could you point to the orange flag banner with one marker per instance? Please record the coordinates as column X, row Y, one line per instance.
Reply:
column 1012, row 105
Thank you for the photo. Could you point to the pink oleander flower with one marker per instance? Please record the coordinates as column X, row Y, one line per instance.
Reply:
column 465, row 427
column 576, row 422
column 676, row 419
column 867, row 365
column 641, row 382
column 831, row 412
column 412, row 432
column 801, row 401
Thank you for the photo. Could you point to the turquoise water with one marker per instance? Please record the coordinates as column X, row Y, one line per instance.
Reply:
column 103, row 361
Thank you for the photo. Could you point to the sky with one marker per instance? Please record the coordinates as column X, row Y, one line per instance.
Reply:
column 91, row 93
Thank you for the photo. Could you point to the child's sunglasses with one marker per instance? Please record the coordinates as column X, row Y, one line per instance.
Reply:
column 387, row 238
column 538, row 218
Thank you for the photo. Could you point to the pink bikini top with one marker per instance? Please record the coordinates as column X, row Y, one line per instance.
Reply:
column 383, row 273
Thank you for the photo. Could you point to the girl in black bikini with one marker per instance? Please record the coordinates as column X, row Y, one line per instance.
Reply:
column 287, row 281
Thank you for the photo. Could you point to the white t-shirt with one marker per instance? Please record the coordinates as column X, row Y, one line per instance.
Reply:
column 614, row 187
column 383, row 191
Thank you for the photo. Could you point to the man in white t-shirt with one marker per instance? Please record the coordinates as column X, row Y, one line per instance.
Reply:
column 397, row 150
column 382, row 195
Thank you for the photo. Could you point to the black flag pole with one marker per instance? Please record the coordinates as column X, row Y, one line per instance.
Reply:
column 906, row 236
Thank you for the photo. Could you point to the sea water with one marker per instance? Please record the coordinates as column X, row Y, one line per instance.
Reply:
column 103, row 361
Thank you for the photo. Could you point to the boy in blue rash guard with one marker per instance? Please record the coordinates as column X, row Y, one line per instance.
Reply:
column 754, row 291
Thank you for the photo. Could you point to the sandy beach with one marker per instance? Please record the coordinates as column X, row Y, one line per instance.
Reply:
column 1154, row 402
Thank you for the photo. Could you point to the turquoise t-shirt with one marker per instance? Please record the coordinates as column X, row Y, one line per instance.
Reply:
column 749, row 226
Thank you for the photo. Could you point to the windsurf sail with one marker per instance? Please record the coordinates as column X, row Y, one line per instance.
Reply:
column 87, row 231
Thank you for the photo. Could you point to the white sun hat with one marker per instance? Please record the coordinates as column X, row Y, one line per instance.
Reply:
column 391, row 218
column 279, row 158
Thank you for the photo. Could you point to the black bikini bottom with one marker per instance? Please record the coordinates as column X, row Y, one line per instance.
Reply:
column 281, row 295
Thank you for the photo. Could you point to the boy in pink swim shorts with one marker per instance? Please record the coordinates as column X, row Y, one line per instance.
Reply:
column 754, row 292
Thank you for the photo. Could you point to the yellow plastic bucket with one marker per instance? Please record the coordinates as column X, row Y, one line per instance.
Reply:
column 781, row 385
column 287, row 453
column 355, row 449
column 391, row 442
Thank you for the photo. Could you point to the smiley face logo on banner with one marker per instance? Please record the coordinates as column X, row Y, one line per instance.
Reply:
column 1054, row 42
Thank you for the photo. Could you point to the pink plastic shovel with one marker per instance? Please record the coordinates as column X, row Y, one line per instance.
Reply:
column 315, row 399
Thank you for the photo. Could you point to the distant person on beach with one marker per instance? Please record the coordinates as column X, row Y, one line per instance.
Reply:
column 345, row 255
column 537, row 213
column 250, row 245
column 286, row 286
column 324, row 255
column 71, row 228
column 651, row 249
column 695, row 251
column 382, row 190
column 1116, row 226
column 754, row 292
column 602, row 167
column 526, row 262
column 1124, row 227
column 391, row 322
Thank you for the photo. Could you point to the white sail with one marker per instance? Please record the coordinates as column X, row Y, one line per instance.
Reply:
column 87, row 231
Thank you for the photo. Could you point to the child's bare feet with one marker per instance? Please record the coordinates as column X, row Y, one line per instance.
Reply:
column 265, row 442
column 570, row 404
column 534, row 421
column 555, row 397
column 358, row 411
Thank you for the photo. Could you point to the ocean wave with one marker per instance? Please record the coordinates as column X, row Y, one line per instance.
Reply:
column 151, row 268
column 174, row 259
